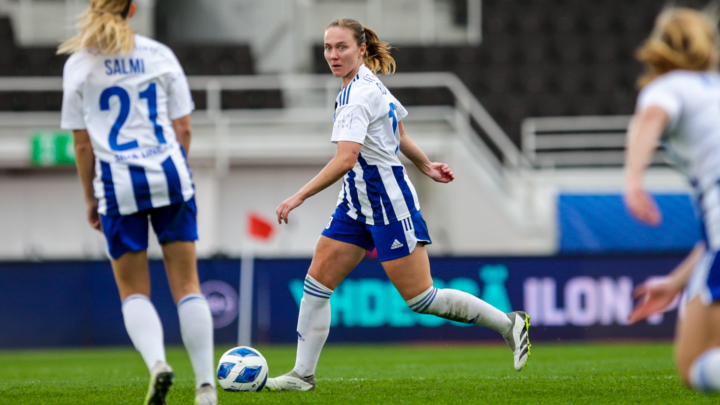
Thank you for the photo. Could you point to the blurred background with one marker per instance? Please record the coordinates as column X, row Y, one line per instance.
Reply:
column 527, row 100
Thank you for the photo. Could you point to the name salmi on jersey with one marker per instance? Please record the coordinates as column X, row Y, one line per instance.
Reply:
column 124, row 67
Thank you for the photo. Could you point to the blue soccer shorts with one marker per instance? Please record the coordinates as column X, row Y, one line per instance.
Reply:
column 705, row 279
column 392, row 241
column 129, row 233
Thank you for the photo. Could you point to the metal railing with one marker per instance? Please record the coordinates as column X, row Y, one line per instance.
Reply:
column 496, row 151
column 567, row 142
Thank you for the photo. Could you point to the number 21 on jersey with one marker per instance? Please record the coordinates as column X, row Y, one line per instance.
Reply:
column 150, row 94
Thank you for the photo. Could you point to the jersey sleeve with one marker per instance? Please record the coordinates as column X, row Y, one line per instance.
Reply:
column 72, row 116
column 352, row 119
column 665, row 93
column 400, row 110
column 180, row 101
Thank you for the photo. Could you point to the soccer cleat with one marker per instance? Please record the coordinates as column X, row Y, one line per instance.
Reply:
column 518, row 338
column 291, row 382
column 161, row 378
column 206, row 395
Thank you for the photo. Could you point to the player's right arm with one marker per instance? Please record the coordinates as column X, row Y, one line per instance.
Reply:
column 344, row 160
column 657, row 296
column 183, row 132
column 85, row 162
column 644, row 134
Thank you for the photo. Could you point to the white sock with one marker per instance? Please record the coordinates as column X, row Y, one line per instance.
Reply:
column 705, row 371
column 196, row 327
column 143, row 325
column 313, row 326
column 461, row 307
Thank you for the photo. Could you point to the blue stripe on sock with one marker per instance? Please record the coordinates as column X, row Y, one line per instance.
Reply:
column 317, row 286
column 315, row 289
column 426, row 306
column 422, row 301
column 190, row 298
column 315, row 295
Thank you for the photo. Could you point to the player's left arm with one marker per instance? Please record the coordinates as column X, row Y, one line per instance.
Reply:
column 344, row 160
column 85, row 162
column 657, row 296
column 439, row 172
column 644, row 134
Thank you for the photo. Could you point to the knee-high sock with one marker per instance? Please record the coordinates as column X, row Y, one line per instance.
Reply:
column 461, row 307
column 143, row 325
column 705, row 371
column 196, row 327
column 313, row 326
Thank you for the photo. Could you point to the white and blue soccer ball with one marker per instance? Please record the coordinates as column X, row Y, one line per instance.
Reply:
column 242, row 369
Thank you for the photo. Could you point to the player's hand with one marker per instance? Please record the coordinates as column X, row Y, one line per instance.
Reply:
column 642, row 206
column 655, row 297
column 92, row 215
column 440, row 172
column 288, row 205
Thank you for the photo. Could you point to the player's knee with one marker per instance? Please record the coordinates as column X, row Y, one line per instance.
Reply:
column 425, row 302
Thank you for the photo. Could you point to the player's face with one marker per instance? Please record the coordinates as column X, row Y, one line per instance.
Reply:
column 341, row 51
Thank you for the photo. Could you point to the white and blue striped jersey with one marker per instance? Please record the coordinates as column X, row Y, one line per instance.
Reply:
column 377, row 191
column 127, row 103
column 692, row 137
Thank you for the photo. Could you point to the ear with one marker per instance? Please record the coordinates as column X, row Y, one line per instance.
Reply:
column 131, row 12
column 363, row 49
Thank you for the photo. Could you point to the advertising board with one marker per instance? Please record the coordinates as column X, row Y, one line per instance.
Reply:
column 568, row 297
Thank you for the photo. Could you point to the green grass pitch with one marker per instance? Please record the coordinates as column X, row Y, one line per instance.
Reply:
column 641, row 373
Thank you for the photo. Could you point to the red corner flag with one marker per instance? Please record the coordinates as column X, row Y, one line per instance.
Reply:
column 259, row 227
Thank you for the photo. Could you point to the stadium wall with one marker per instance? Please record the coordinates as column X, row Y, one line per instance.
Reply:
column 67, row 303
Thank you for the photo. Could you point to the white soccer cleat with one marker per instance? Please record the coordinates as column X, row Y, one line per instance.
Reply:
column 518, row 338
column 206, row 395
column 291, row 381
column 161, row 379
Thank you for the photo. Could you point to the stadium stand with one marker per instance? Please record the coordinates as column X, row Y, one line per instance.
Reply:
column 196, row 59
column 539, row 58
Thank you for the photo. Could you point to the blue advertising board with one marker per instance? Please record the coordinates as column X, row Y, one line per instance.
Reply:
column 569, row 297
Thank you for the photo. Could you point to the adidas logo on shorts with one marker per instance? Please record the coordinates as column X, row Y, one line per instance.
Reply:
column 396, row 245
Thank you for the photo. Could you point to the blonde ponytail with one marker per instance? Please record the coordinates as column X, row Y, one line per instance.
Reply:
column 103, row 29
column 683, row 38
column 377, row 54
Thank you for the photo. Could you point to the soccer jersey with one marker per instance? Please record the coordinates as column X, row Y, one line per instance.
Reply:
column 692, row 138
column 377, row 190
column 127, row 103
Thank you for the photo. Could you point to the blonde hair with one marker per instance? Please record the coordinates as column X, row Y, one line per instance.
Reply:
column 683, row 38
column 103, row 29
column 377, row 54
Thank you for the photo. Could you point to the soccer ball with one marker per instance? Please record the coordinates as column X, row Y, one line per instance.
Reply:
column 242, row 369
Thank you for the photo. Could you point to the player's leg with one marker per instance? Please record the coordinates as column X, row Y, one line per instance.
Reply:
column 697, row 348
column 401, row 249
column 697, row 343
column 127, row 243
column 176, row 228
column 340, row 248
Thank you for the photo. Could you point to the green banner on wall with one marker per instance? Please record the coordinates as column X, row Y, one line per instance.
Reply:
column 52, row 149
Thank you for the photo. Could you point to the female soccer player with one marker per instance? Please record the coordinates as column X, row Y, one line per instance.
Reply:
column 127, row 101
column 377, row 207
column 680, row 102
